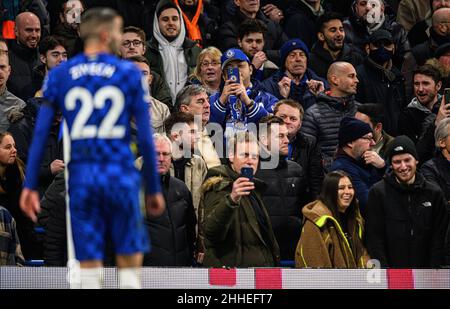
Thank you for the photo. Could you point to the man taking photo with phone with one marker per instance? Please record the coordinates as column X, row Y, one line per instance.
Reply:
column 236, row 226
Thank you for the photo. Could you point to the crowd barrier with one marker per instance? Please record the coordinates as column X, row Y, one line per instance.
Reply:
column 252, row 278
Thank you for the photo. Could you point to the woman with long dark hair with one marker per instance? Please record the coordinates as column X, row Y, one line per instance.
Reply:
column 332, row 234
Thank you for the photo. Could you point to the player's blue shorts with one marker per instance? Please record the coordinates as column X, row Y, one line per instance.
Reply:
column 107, row 208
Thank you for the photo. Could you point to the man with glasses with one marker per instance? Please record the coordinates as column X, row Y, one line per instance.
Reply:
column 173, row 234
column 355, row 158
column 133, row 42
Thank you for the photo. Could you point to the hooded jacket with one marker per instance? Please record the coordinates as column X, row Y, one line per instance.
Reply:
column 233, row 234
column 323, row 243
column 173, row 60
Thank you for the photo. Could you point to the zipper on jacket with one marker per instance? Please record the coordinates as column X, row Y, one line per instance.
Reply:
column 410, row 213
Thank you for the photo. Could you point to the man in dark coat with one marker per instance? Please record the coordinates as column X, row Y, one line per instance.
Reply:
column 285, row 195
column 380, row 81
column 23, row 55
column 294, row 80
column 406, row 215
column 303, row 149
column 354, row 157
column 173, row 233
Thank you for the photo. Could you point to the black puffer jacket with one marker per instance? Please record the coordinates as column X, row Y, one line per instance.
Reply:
column 172, row 234
column 322, row 122
column 356, row 33
column 306, row 152
column 53, row 219
column 406, row 224
column 284, row 198
column 375, row 87
column 274, row 38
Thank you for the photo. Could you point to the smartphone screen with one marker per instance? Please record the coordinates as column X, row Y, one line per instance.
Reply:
column 447, row 95
column 247, row 172
column 233, row 75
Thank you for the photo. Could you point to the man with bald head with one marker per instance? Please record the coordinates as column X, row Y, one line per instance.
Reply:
column 322, row 119
column 23, row 54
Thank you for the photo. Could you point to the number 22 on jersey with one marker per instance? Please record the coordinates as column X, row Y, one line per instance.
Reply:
column 107, row 129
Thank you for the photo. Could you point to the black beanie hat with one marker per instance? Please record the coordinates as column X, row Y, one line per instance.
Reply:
column 351, row 129
column 402, row 144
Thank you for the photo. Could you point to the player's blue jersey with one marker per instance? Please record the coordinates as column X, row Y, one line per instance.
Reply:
column 98, row 96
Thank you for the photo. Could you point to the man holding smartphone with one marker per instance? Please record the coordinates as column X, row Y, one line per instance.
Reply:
column 236, row 226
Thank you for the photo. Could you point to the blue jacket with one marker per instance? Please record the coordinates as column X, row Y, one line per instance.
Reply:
column 364, row 176
column 298, row 93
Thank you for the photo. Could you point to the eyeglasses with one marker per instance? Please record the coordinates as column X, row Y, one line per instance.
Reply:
column 136, row 43
column 207, row 64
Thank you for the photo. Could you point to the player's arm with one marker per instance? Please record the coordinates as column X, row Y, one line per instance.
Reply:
column 29, row 199
column 154, row 199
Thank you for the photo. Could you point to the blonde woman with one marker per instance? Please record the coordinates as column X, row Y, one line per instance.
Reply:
column 208, row 71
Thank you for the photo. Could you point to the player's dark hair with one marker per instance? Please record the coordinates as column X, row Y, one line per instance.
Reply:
column 92, row 19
